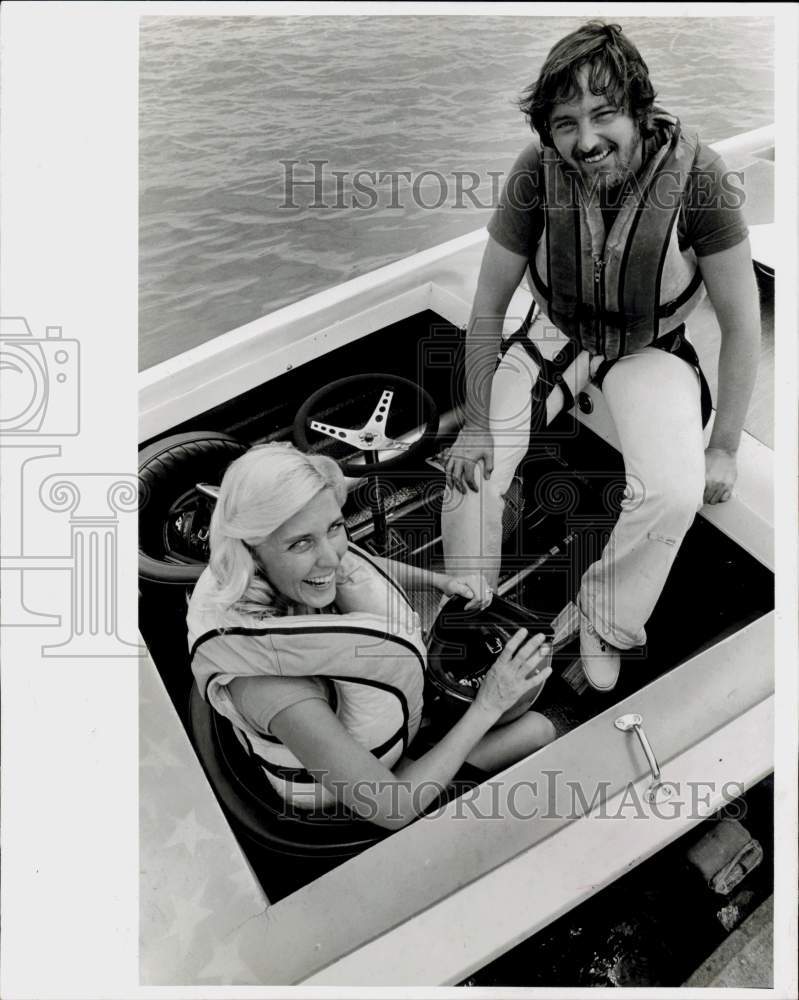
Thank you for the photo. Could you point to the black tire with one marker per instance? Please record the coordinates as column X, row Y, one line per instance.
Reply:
column 169, row 471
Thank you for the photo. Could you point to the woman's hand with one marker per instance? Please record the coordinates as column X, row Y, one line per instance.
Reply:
column 473, row 587
column 519, row 668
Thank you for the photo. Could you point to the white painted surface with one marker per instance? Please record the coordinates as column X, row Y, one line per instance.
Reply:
column 196, row 888
column 763, row 240
column 211, row 380
column 486, row 918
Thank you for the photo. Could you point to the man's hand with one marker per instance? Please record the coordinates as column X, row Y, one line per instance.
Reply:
column 732, row 290
column 721, row 471
column 474, row 444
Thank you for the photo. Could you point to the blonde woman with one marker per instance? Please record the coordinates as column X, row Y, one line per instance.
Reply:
column 309, row 646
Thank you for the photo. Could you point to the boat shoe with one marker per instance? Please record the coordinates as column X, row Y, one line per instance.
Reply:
column 601, row 661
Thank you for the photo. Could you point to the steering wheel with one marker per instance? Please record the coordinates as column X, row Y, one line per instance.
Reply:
column 371, row 414
column 463, row 646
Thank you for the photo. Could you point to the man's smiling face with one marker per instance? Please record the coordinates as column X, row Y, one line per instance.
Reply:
column 596, row 136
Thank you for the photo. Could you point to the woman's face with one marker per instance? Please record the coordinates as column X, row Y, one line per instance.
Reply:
column 302, row 556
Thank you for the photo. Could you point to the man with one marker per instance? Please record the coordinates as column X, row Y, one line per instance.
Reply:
column 624, row 223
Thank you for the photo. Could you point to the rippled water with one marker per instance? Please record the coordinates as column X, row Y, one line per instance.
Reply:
column 223, row 100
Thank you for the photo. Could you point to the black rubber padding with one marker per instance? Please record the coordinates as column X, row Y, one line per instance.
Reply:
column 255, row 809
column 168, row 469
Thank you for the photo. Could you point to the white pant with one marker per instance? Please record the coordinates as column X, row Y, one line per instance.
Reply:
column 654, row 400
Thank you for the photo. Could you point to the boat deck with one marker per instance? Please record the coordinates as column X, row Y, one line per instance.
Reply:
column 730, row 585
column 706, row 336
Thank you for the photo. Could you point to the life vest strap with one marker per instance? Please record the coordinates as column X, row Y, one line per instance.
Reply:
column 585, row 313
column 296, row 775
column 388, row 744
column 550, row 373
column 300, row 776
column 670, row 308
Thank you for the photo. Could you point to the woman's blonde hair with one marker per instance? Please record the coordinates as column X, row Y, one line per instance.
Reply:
column 260, row 491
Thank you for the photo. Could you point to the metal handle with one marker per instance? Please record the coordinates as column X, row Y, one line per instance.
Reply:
column 657, row 791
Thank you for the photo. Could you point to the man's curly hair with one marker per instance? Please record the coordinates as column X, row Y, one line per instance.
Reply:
column 615, row 70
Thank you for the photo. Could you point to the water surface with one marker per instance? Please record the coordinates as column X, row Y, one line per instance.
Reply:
column 223, row 100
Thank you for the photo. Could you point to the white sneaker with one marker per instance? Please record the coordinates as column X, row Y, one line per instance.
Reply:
column 601, row 661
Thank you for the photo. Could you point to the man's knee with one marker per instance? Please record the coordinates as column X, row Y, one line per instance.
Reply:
column 488, row 498
column 676, row 493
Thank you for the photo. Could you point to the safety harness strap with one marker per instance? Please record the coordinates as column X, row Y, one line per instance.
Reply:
column 675, row 342
column 550, row 373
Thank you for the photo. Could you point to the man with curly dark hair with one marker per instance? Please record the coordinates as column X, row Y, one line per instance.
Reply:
column 623, row 222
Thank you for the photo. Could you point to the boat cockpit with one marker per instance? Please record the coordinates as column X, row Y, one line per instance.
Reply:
column 560, row 512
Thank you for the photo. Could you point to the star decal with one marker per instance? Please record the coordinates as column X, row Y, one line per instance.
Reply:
column 159, row 756
column 189, row 913
column 227, row 965
column 189, row 832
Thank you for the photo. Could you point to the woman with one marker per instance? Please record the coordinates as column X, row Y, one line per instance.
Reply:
column 310, row 647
